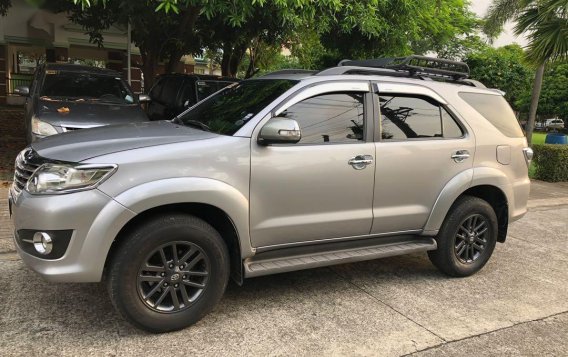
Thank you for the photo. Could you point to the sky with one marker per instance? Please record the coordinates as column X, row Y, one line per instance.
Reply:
column 507, row 37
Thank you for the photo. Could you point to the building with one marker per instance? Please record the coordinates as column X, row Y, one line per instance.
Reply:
column 30, row 36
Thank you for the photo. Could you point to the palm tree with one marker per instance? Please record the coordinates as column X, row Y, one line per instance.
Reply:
column 545, row 23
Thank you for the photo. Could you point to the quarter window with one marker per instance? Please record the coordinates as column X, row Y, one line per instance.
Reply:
column 407, row 117
column 496, row 110
column 329, row 118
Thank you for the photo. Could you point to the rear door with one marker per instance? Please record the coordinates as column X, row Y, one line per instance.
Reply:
column 420, row 147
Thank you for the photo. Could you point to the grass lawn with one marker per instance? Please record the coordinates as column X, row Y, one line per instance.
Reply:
column 538, row 138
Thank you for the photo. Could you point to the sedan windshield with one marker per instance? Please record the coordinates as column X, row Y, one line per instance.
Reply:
column 228, row 110
column 85, row 87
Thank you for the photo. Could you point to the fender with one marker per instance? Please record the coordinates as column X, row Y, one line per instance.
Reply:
column 453, row 189
column 458, row 185
column 193, row 190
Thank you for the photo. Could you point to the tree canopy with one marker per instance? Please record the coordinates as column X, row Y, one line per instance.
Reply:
column 319, row 33
column 503, row 68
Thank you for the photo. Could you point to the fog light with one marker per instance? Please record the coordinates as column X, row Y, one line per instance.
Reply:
column 43, row 243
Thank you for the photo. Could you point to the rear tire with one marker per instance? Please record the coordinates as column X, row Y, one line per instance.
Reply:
column 168, row 273
column 467, row 237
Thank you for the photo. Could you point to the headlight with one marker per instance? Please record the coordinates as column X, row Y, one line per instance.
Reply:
column 65, row 178
column 39, row 127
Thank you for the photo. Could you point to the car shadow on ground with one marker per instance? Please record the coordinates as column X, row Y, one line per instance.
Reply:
column 79, row 310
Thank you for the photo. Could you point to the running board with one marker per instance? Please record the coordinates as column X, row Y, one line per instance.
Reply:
column 260, row 265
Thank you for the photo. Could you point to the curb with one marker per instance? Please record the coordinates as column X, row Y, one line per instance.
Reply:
column 547, row 202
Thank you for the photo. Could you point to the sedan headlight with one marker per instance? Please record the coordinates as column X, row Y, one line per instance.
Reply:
column 40, row 127
column 65, row 178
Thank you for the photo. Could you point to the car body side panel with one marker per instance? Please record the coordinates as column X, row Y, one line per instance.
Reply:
column 193, row 190
column 453, row 189
column 213, row 171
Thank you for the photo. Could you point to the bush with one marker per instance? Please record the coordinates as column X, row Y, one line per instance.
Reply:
column 551, row 162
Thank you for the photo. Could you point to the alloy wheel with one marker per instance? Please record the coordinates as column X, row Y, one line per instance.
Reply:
column 173, row 276
column 471, row 238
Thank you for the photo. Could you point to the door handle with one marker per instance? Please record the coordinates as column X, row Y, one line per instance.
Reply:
column 359, row 162
column 460, row 155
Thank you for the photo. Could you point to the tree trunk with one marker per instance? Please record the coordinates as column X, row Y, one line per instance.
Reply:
column 149, row 68
column 173, row 61
column 534, row 101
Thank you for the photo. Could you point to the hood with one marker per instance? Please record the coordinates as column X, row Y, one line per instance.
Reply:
column 88, row 113
column 84, row 144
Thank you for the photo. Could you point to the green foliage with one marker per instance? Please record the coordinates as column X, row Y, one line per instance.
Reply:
column 553, row 100
column 545, row 23
column 4, row 6
column 400, row 28
column 551, row 162
column 505, row 69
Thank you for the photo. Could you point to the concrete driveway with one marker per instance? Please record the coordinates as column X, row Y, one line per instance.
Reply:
column 517, row 305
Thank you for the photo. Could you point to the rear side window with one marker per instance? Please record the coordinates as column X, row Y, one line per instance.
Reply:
column 406, row 117
column 496, row 110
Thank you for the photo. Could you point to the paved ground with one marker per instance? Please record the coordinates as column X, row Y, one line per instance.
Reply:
column 517, row 305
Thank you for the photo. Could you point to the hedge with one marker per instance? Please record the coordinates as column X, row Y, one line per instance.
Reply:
column 551, row 162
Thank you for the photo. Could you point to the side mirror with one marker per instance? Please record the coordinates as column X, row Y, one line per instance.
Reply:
column 22, row 90
column 280, row 131
column 144, row 98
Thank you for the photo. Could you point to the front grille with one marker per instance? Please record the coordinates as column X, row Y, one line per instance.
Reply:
column 26, row 163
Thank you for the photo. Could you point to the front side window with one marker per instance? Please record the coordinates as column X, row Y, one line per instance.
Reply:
column 329, row 118
column 75, row 86
column 229, row 109
column 406, row 117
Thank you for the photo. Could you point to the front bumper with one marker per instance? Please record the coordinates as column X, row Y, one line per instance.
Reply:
column 94, row 218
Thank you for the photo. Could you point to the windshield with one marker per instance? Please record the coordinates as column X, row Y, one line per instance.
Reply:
column 85, row 87
column 228, row 110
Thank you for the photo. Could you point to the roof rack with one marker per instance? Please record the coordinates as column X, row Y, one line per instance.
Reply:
column 416, row 66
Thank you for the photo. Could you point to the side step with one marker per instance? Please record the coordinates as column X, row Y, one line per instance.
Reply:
column 261, row 265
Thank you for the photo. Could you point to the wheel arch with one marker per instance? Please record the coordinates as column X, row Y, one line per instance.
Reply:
column 488, row 184
column 218, row 203
column 214, row 216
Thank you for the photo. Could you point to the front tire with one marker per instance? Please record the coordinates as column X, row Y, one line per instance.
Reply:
column 467, row 237
column 168, row 273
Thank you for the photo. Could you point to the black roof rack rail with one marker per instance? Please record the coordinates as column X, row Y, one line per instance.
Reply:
column 416, row 65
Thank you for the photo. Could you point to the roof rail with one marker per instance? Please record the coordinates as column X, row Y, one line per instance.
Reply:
column 416, row 65
column 290, row 71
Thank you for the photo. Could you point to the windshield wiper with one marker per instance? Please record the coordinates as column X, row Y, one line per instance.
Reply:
column 192, row 123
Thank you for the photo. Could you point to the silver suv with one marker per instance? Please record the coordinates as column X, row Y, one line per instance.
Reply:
column 290, row 171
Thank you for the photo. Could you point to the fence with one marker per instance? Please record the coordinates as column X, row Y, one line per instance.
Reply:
column 18, row 79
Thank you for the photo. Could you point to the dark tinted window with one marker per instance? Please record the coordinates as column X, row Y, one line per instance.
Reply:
column 496, row 110
column 451, row 128
column 187, row 96
column 74, row 86
column 228, row 110
column 205, row 89
column 407, row 117
column 156, row 90
column 329, row 118
column 171, row 87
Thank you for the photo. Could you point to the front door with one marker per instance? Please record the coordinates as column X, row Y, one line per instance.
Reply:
column 322, row 187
